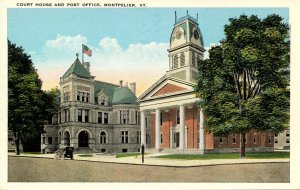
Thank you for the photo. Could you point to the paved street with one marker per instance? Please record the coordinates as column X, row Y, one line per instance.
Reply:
column 28, row 169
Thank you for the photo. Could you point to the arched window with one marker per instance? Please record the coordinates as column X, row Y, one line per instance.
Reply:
column 175, row 61
column 102, row 100
column 182, row 59
column 103, row 138
column 193, row 59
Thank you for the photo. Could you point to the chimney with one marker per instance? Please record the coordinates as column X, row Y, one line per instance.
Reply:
column 132, row 87
column 87, row 66
column 121, row 83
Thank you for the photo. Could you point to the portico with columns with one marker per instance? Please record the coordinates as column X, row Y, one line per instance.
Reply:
column 176, row 120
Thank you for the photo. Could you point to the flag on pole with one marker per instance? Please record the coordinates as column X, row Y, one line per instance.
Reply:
column 86, row 50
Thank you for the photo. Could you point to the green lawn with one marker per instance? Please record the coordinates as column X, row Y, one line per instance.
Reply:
column 127, row 154
column 261, row 155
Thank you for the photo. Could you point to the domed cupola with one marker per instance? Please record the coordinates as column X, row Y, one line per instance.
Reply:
column 186, row 30
column 186, row 48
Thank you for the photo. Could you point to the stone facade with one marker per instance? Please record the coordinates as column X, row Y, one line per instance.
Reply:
column 93, row 115
column 282, row 140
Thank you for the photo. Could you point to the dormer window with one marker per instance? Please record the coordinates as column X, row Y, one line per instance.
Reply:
column 102, row 100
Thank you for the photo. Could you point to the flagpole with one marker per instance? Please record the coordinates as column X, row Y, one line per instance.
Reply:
column 82, row 53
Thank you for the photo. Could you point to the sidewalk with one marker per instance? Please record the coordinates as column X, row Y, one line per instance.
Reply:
column 150, row 160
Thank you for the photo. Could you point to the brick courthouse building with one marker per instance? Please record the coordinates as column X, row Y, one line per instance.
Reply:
column 169, row 108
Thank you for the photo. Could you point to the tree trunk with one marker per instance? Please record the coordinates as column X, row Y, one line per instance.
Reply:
column 17, row 143
column 242, row 145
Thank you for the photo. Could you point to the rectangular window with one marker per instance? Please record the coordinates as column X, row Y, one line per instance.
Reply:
column 124, row 136
column 137, row 117
column 287, row 133
column 138, row 137
column 287, row 140
column 178, row 117
column 82, row 97
column 161, row 119
column 86, row 116
column 99, row 117
column 105, row 118
column 254, row 139
column 221, row 140
column 146, row 122
column 79, row 113
column 66, row 96
column 276, row 135
column 161, row 138
column 49, row 140
column 234, row 139
column 87, row 97
column 270, row 139
column 124, row 116
column 78, row 96
column 276, row 141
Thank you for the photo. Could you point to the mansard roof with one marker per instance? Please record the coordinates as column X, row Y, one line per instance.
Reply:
column 78, row 69
column 124, row 96
column 116, row 95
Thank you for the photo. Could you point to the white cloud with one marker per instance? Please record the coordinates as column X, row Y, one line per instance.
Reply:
column 110, row 44
column 206, row 53
column 110, row 62
column 63, row 42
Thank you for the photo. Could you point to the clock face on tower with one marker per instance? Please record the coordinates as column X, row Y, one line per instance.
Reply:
column 178, row 34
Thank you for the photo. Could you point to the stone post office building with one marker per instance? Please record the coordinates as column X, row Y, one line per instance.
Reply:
column 93, row 115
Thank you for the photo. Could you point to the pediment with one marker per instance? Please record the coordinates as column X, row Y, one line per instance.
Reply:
column 167, row 86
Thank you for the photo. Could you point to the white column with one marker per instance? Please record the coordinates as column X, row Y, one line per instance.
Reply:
column 181, row 129
column 201, row 132
column 143, row 128
column 157, row 129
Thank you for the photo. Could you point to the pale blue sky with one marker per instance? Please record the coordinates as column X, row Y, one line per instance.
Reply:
column 31, row 28
column 128, row 44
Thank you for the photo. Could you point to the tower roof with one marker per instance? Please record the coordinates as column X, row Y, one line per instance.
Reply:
column 186, row 31
column 78, row 69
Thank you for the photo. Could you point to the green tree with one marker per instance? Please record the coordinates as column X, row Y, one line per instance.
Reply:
column 28, row 106
column 245, row 81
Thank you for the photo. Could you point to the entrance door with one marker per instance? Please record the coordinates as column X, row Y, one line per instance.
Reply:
column 83, row 139
column 176, row 140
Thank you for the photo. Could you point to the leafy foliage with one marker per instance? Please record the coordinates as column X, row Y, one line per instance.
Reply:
column 28, row 106
column 245, row 81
